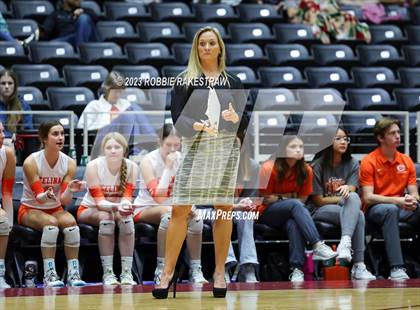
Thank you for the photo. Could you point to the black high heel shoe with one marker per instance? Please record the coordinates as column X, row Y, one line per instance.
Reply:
column 219, row 292
column 162, row 293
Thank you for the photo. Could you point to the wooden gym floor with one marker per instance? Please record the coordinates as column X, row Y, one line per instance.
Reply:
column 380, row 294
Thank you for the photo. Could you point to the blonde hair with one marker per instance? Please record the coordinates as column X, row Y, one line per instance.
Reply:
column 119, row 138
column 194, row 68
column 114, row 80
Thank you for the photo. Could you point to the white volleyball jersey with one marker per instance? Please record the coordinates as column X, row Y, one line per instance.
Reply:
column 110, row 184
column 49, row 177
column 3, row 161
column 144, row 199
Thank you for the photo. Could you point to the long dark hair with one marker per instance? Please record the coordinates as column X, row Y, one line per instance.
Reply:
column 282, row 167
column 13, row 104
column 326, row 155
column 44, row 130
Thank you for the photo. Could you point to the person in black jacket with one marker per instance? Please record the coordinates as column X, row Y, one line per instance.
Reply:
column 207, row 107
column 70, row 23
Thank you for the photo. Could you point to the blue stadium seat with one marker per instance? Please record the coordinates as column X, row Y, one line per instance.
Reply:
column 369, row 99
column 137, row 73
column 189, row 30
column 165, row 32
column 415, row 15
column 360, row 124
column 120, row 32
column 410, row 77
column 41, row 76
column 101, row 53
column 172, row 71
column 53, row 53
column 4, row 10
column 334, row 55
column 160, row 98
column 69, row 98
column 379, row 55
column 21, row 28
column 38, row 119
column 12, row 53
column 245, row 54
column 220, row 12
column 87, row 76
column 250, row 33
column 181, row 52
column 412, row 54
column 381, row 77
column 94, row 6
column 281, row 77
column 294, row 33
column 355, row 10
column 176, row 12
column 130, row 11
column 33, row 96
column 137, row 96
column 267, row 99
column 295, row 55
column 335, row 77
column 37, row 10
column 264, row 13
column 413, row 34
column 408, row 99
column 320, row 99
column 387, row 34
column 245, row 74
column 155, row 54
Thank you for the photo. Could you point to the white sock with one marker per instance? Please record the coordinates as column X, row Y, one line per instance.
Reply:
column 346, row 239
column 195, row 263
column 2, row 268
column 107, row 262
column 49, row 263
column 126, row 263
column 73, row 265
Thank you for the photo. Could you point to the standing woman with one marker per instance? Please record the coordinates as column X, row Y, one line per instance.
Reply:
column 285, row 184
column 7, row 176
column 48, row 186
column 153, row 203
column 336, row 178
column 10, row 101
column 111, row 180
column 206, row 109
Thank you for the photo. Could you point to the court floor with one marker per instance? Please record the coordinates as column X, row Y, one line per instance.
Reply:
column 381, row 294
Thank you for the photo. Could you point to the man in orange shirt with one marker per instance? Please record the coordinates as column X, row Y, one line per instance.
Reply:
column 385, row 176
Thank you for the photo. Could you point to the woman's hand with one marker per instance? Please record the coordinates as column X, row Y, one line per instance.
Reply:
column 343, row 191
column 245, row 204
column 230, row 115
column 76, row 186
column 125, row 208
column 170, row 160
column 48, row 195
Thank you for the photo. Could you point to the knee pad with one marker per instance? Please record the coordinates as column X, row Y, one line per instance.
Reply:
column 106, row 227
column 4, row 226
column 49, row 236
column 126, row 226
column 71, row 236
column 164, row 221
column 195, row 226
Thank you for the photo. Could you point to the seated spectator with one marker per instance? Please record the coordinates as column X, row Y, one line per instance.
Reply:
column 153, row 203
column 335, row 183
column 328, row 22
column 5, row 34
column 389, row 189
column 70, row 23
column 10, row 101
column 103, row 114
column 285, row 184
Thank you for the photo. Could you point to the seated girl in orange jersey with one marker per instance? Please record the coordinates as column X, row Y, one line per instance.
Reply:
column 153, row 203
column 285, row 184
column 111, row 180
column 7, row 176
column 48, row 185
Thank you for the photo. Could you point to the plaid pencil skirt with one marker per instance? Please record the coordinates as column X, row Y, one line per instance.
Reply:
column 207, row 174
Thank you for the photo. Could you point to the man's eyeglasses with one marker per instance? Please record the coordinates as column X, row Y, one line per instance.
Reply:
column 344, row 139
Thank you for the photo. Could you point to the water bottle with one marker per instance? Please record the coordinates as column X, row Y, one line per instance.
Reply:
column 83, row 160
column 72, row 154
column 30, row 273
column 308, row 266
